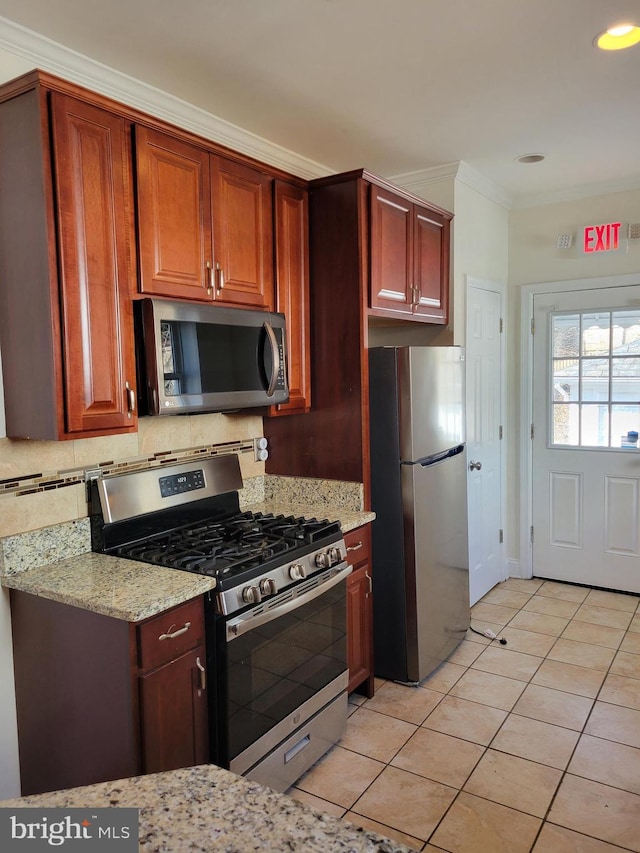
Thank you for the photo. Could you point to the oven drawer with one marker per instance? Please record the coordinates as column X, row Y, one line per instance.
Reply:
column 163, row 638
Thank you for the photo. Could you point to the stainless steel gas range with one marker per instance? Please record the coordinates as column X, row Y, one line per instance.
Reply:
column 275, row 622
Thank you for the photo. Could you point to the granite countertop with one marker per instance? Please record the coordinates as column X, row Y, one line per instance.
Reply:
column 132, row 591
column 123, row 589
column 206, row 808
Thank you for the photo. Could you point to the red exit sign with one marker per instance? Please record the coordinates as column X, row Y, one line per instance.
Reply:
column 602, row 238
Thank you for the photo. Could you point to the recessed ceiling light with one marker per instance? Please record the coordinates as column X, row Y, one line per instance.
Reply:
column 618, row 37
column 530, row 158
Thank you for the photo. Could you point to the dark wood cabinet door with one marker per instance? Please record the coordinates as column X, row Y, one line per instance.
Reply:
column 391, row 252
column 174, row 216
column 243, row 234
column 92, row 177
column 173, row 704
column 431, row 264
column 291, row 205
column 360, row 611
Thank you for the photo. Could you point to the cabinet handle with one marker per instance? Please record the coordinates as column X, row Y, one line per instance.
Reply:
column 170, row 636
column 368, row 577
column 220, row 278
column 211, row 276
column 203, row 675
column 355, row 547
column 131, row 399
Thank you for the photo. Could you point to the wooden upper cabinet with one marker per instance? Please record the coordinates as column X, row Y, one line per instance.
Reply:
column 291, row 204
column 91, row 164
column 174, row 216
column 243, row 234
column 391, row 247
column 409, row 258
column 66, row 268
column 205, row 224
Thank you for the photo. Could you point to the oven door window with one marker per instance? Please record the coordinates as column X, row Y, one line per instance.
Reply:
column 274, row 668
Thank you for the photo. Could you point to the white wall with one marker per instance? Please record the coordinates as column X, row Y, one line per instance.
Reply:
column 534, row 258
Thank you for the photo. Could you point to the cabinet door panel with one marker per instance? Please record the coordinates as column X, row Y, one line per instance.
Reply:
column 92, row 179
column 243, row 233
column 431, row 248
column 391, row 251
column 174, row 217
column 174, row 715
column 292, row 290
column 360, row 611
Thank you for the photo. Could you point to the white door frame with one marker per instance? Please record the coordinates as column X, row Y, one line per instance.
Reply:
column 500, row 288
column 528, row 292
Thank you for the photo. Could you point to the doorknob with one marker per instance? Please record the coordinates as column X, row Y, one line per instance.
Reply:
column 475, row 466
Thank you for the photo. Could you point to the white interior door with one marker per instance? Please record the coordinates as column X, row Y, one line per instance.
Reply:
column 586, row 399
column 484, row 372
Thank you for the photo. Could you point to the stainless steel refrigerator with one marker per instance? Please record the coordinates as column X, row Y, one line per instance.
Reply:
column 420, row 563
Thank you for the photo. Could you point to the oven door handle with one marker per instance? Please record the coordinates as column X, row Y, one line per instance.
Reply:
column 241, row 625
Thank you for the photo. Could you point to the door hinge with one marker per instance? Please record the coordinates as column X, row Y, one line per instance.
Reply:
column 500, row 432
column 501, row 537
column 501, row 325
column 533, row 326
column 532, row 431
column 531, row 534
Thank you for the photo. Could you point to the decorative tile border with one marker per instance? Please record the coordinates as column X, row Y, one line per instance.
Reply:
column 30, row 484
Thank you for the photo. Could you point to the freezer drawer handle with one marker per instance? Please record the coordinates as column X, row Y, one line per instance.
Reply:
column 475, row 466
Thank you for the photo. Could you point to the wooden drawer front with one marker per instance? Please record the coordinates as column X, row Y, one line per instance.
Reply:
column 358, row 544
column 163, row 638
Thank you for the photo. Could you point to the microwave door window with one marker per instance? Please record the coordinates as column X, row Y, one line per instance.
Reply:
column 229, row 358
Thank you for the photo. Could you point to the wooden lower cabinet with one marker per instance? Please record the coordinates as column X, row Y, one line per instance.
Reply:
column 99, row 698
column 360, row 611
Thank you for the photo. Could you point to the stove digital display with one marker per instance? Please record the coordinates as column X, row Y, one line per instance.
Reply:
column 177, row 484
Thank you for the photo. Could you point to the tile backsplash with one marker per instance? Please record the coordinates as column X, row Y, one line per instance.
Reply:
column 42, row 483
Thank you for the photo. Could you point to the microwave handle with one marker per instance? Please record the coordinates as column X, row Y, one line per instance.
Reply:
column 275, row 353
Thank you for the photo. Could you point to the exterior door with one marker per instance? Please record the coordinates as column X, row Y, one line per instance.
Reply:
column 484, row 438
column 586, row 462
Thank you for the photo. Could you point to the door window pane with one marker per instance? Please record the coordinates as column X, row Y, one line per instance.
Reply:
column 595, row 378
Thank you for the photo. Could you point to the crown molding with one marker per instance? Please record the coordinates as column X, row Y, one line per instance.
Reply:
column 50, row 56
column 420, row 180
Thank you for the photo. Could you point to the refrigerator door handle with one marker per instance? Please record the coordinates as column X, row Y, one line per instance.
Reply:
column 427, row 461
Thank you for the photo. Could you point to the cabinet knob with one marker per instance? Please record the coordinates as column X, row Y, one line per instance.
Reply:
column 368, row 577
column 220, row 277
column 355, row 547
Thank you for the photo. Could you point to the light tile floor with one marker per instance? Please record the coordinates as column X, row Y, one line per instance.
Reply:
column 530, row 746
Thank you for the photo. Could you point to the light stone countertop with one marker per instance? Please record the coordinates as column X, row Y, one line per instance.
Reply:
column 206, row 808
column 131, row 590
column 112, row 586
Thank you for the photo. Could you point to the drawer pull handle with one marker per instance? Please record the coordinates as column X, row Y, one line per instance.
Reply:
column 203, row 675
column 368, row 577
column 170, row 636
column 355, row 547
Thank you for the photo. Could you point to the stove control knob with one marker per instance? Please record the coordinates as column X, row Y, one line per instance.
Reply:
column 323, row 561
column 268, row 586
column 335, row 556
column 297, row 572
column 251, row 595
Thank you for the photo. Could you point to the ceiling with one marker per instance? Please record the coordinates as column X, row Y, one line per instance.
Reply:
column 396, row 86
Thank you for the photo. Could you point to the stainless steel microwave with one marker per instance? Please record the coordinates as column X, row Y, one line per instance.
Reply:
column 209, row 358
